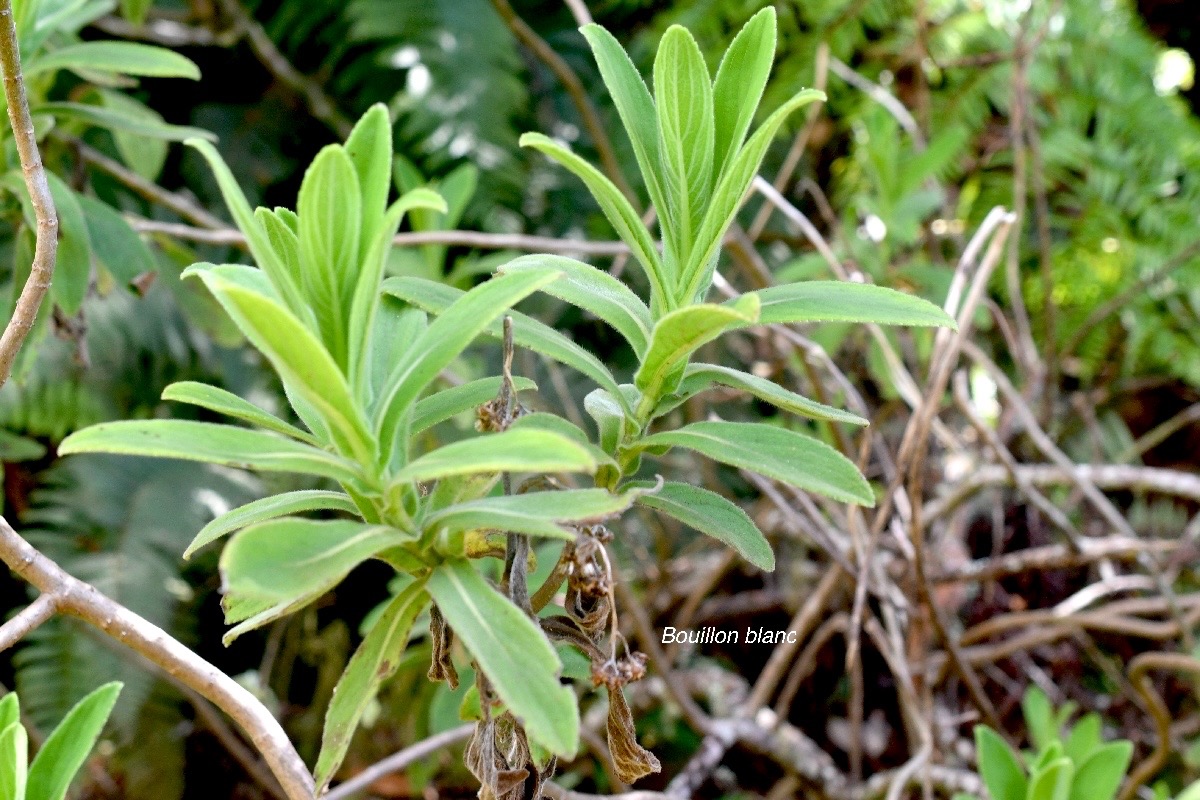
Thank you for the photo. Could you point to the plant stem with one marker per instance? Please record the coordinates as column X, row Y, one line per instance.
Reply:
column 46, row 247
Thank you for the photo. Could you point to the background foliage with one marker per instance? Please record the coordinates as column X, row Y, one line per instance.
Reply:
column 1107, row 259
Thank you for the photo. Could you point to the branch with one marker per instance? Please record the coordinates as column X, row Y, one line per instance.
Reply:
column 78, row 599
column 400, row 760
column 319, row 103
column 26, row 310
column 181, row 205
column 574, row 86
column 27, row 620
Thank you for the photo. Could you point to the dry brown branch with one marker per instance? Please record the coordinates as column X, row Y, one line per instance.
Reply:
column 1139, row 670
column 38, row 283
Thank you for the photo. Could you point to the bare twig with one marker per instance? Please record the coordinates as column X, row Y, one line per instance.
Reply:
column 1139, row 670
column 185, row 207
column 399, row 760
column 579, row 11
column 319, row 103
column 29, row 618
column 38, row 283
column 575, row 90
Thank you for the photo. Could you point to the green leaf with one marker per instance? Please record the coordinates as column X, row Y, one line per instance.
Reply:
column 1039, row 718
column 1099, row 776
column 365, row 301
column 727, row 197
column 602, row 407
column 679, row 334
column 369, row 147
column 1052, row 781
column 205, row 441
column 739, row 84
column 66, row 749
column 116, row 120
column 229, row 404
column 10, row 711
column 514, row 654
column 534, row 513
column 624, row 219
column 1190, row 793
column 715, row 516
column 125, row 58
column 999, row 766
column 256, row 237
column 330, row 210
column 375, row 660
column 522, row 450
column 273, row 507
column 845, row 301
column 290, row 558
column 118, row 248
column 553, row 423
column 634, row 105
column 594, row 291
column 301, row 360
column 445, row 338
column 144, row 155
column 73, row 265
column 684, row 102
column 435, row 297
column 1084, row 738
column 14, row 761
column 450, row 402
column 698, row 378
column 774, row 452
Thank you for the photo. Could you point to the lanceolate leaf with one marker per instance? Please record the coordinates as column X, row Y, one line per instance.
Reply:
column 774, row 452
column 115, row 120
column 366, row 298
column 512, row 652
column 999, row 767
column 369, row 147
column 684, row 102
column 455, row 400
column 845, row 301
column 739, row 84
column 679, row 334
column 1052, row 781
column 1099, row 776
column 701, row 377
column 535, row 513
column 273, row 507
column 204, row 441
column 291, row 557
column 118, row 248
column 297, row 355
column 435, row 297
column 330, row 210
column 260, row 244
column 68, row 746
column 712, row 514
column 443, row 341
column 728, row 193
column 634, row 105
column 593, row 290
column 126, row 58
column 616, row 208
column 14, row 759
column 375, row 660
column 229, row 404
column 523, row 450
